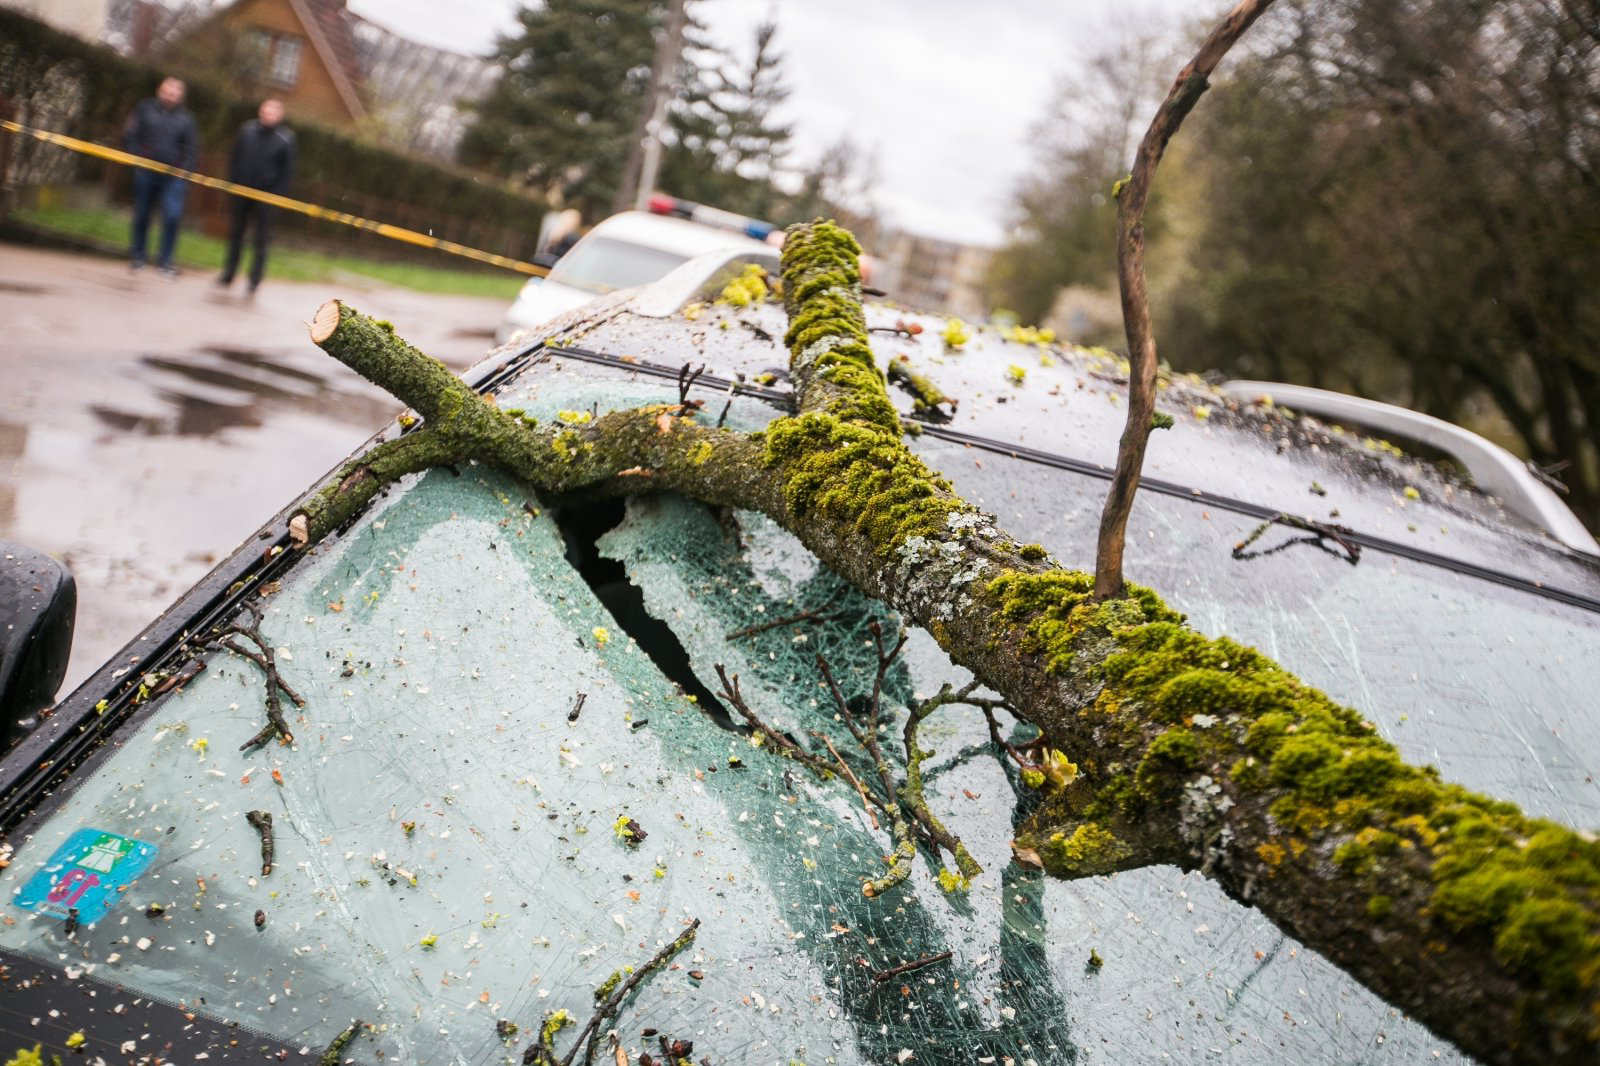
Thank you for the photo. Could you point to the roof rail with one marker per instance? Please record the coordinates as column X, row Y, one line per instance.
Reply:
column 1493, row 469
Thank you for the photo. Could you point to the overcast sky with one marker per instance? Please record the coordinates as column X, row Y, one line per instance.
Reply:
column 944, row 91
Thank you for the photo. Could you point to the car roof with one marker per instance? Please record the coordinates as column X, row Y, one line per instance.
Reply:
column 671, row 234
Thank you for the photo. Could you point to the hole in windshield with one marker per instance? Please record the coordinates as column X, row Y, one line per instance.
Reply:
column 581, row 528
column 602, row 264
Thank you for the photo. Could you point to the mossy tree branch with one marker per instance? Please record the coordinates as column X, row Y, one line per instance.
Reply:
column 1131, row 194
column 1480, row 921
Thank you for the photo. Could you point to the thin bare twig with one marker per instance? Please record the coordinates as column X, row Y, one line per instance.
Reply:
column 266, row 660
column 868, row 799
column 815, row 614
column 261, row 822
column 735, row 699
column 899, row 860
column 609, row 1007
column 1320, row 531
column 1131, row 194
column 686, row 380
column 907, row 967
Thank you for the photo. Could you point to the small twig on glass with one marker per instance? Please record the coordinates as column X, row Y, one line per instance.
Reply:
column 577, row 707
column 868, row 799
column 1320, row 530
column 266, row 661
column 334, row 1055
column 914, row 797
column 907, row 967
column 686, row 380
column 261, row 822
column 815, row 614
column 905, row 847
column 732, row 695
column 586, row 1041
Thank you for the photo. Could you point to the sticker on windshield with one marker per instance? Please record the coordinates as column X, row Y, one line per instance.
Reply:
column 86, row 875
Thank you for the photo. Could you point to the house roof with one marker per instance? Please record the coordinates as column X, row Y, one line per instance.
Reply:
column 328, row 24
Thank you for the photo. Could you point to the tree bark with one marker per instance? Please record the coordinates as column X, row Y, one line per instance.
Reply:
column 1476, row 919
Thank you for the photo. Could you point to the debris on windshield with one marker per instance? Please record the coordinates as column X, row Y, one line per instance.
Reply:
column 266, row 660
column 907, row 967
column 1319, row 531
column 334, row 1055
column 609, row 995
column 261, row 822
column 956, row 333
column 901, row 328
column 757, row 331
column 926, row 397
column 629, row 831
column 746, row 289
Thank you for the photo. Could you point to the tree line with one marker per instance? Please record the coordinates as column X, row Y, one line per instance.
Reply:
column 576, row 79
column 1396, row 198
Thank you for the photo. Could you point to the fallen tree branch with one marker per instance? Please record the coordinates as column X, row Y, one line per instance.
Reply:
column 1476, row 919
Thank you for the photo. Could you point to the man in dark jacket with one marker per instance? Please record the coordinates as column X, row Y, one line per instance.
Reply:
column 161, row 129
column 263, row 158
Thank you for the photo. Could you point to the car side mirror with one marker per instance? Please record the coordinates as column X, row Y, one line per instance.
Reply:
column 38, row 607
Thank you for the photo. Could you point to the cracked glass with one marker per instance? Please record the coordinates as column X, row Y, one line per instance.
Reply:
column 451, row 825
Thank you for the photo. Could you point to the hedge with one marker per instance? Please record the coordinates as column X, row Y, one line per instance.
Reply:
column 54, row 79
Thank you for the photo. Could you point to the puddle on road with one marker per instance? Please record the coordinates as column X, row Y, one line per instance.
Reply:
column 221, row 389
column 140, row 471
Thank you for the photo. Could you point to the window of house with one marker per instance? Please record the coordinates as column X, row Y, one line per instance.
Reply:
column 285, row 62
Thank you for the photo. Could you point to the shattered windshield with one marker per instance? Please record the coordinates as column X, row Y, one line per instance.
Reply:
column 512, row 779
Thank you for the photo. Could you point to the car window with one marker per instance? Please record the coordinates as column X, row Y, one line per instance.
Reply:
column 448, row 852
column 602, row 264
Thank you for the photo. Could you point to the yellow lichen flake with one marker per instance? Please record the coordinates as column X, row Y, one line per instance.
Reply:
column 956, row 333
column 746, row 289
column 602, row 636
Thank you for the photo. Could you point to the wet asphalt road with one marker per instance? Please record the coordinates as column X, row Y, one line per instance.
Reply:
column 147, row 427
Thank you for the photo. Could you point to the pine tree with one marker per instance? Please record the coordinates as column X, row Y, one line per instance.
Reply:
column 726, row 142
column 575, row 77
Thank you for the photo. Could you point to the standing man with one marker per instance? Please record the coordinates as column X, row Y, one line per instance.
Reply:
column 263, row 158
column 160, row 129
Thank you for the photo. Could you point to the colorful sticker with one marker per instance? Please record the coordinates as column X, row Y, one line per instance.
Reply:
column 86, row 875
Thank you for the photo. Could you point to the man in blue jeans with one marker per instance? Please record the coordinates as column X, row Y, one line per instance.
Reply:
column 160, row 129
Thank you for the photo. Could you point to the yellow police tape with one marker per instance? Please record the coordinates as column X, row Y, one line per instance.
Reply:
column 381, row 228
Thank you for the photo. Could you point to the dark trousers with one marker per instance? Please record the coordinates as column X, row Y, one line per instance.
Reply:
column 151, row 190
column 244, row 211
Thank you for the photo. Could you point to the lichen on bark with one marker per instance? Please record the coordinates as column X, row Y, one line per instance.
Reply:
column 1478, row 920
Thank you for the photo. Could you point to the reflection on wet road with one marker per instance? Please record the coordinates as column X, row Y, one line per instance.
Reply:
column 147, row 428
column 220, row 389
